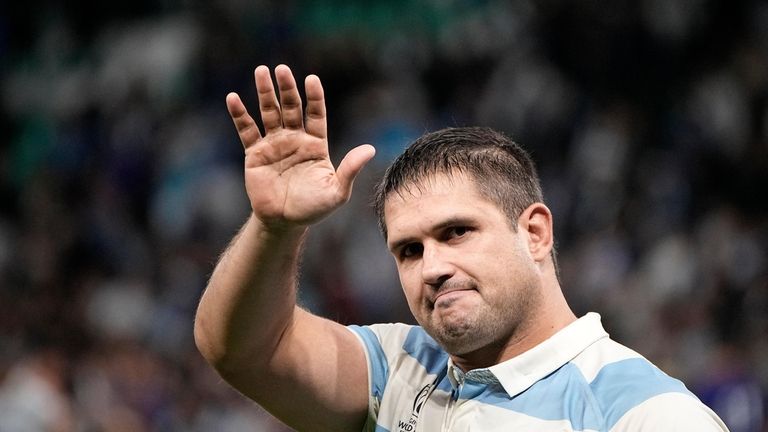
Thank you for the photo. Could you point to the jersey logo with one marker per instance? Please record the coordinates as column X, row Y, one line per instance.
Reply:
column 418, row 404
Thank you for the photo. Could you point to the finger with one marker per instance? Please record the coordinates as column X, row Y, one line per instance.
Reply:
column 246, row 127
column 316, row 123
column 290, row 101
column 350, row 166
column 268, row 104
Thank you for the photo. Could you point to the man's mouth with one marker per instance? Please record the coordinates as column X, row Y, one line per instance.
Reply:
column 447, row 294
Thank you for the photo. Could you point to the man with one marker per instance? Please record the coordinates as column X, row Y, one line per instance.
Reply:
column 498, row 347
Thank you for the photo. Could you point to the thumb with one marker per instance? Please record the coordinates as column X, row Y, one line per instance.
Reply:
column 350, row 166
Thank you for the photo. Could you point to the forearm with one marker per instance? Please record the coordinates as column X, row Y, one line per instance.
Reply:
column 309, row 371
column 250, row 298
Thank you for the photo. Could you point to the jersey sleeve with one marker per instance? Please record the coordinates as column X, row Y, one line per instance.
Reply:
column 381, row 343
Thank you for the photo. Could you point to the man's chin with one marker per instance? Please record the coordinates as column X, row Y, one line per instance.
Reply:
column 457, row 337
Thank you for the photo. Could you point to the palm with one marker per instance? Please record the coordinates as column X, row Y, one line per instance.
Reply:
column 288, row 173
column 291, row 179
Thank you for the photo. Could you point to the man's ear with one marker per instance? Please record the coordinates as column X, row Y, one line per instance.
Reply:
column 536, row 223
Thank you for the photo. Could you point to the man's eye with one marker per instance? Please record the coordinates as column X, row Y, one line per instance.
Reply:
column 411, row 250
column 457, row 231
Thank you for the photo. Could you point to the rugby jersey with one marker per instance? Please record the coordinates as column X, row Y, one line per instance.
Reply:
column 577, row 380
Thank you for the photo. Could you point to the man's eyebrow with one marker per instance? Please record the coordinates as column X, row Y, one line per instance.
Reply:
column 450, row 222
column 400, row 243
column 454, row 221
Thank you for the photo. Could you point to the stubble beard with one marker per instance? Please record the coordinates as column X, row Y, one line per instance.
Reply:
column 489, row 323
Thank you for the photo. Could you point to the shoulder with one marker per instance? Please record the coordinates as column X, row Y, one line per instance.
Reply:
column 382, row 337
column 628, row 388
column 670, row 412
column 401, row 340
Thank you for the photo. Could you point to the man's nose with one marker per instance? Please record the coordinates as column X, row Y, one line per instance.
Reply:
column 435, row 269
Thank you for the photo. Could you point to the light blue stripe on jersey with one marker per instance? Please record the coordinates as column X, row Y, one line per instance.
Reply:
column 419, row 345
column 623, row 385
column 425, row 350
column 566, row 395
column 563, row 395
column 377, row 359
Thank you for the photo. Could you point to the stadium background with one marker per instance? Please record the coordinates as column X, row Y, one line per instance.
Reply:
column 120, row 180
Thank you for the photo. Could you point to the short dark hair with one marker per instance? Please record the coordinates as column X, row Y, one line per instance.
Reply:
column 503, row 172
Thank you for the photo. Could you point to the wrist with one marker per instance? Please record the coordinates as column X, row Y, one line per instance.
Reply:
column 283, row 230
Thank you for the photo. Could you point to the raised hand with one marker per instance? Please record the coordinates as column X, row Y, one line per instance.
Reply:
column 289, row 176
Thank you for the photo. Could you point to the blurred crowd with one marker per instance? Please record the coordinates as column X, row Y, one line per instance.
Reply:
column 121, row 181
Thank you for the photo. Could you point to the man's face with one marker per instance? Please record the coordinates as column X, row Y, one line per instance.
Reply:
column 469, row 278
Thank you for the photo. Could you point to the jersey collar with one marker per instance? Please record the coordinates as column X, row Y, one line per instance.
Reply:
column 517, row 374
